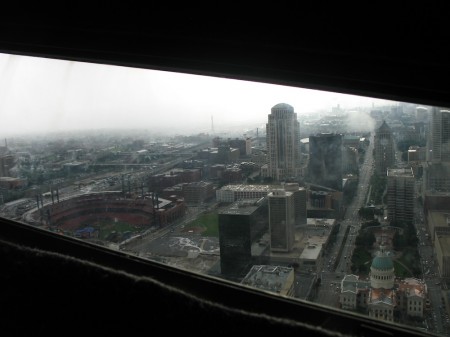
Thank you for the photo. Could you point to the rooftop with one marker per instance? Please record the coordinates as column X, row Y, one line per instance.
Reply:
column 352, row 283
column 244, row 207
column 271, row 278
column 241, row 187
column 413, row 287
column 400, row 172
column 312, row 250
column 380, row 295
column 283, row 106
column 439, row 218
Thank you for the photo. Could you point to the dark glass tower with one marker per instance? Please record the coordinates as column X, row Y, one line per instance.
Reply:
column 384, row 149
column 325, row 160
column 240, row 225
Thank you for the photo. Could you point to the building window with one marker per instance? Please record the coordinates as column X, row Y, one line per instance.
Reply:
column 95, row 196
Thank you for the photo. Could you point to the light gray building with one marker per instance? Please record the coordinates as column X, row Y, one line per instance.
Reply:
column 439, row 136
column 400, row 195
column 281, row 220
column 276, row 279
column 283, row 143
column 299, row 202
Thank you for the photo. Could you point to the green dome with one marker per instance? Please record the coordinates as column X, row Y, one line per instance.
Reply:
column 382, row 263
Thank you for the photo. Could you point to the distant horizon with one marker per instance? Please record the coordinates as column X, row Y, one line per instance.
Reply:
column 239, row 130
column 39, row 95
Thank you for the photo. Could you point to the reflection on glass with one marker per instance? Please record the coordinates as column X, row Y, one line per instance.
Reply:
column 335, row 199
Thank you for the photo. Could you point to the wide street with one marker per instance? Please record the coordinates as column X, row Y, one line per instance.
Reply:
column 338, row 259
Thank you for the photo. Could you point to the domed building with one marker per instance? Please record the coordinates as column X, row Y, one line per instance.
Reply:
column 382, row 297
column 382, row 273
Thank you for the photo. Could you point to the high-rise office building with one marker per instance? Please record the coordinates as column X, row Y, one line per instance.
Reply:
column 439, row 136
column 400, row 195
column 7, row 162
column 240, row 225
column 283, row 143
column 436, row 169
column 299, row 202
column 436, row 176
column 325, row 160
column 281, row 220
column 384, row 149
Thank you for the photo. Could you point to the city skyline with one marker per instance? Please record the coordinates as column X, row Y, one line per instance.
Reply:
column 47, row 95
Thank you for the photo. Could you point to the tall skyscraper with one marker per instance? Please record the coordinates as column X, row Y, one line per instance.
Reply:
column 400, row 195
column 283, row 143
column 281, row 220
column 325, row 160
column 384, row 149
column 439, row 136
column 436, row 171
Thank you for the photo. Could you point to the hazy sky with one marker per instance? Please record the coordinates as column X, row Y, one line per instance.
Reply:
column 39, row 94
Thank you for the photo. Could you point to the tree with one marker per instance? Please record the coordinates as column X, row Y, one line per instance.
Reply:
column 365, row 239
column 366, row 213
column 378, row 183
column 398, row 241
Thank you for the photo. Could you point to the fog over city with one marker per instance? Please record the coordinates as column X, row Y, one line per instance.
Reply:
column 45, row 95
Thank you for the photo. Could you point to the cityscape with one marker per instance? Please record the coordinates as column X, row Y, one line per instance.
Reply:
column 346, row 208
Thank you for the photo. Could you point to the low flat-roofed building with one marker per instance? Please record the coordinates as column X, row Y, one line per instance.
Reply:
column 11, row 183
column 198, row 192
column 438, row 223
column 232, row 193
column 173, row 190
column 75, row 166
column 416, row 154
column 232, row 175
column 187, row 175
column 442, row 249
column 276, row 279
column 216, row 170
column 323, row 204
column 310, row 258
